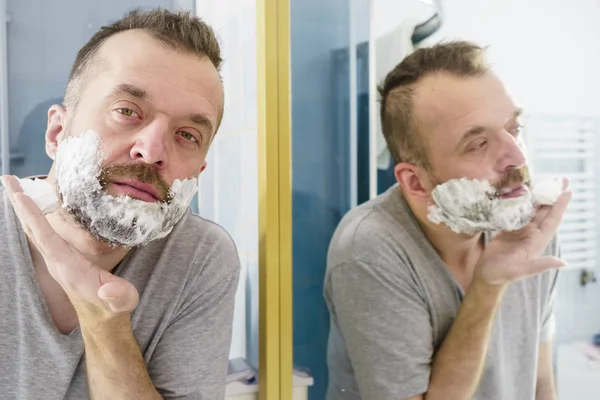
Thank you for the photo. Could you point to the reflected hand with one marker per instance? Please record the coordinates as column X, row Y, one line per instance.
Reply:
column 511, row 256
column 94, row 292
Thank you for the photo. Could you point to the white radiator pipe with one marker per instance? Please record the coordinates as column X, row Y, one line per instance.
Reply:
column 373, row 115
column 353, row 110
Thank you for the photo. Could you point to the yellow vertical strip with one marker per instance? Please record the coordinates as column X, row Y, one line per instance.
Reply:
column 285, row 200
column 275, row 243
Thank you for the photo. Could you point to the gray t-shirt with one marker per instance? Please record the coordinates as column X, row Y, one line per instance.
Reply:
column 183, row 322
column 392, row 302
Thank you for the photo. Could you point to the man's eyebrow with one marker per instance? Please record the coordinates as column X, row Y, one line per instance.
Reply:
column 134, row 91
column 202, row 120
column 128, row 89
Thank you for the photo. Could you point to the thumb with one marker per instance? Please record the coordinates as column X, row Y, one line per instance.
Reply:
column 541, row 264
column 120, row 295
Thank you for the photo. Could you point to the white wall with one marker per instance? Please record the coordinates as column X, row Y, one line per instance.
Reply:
column 228, row 191
column 546, row 51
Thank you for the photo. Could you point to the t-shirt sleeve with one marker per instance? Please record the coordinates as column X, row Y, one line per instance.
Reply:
column 191, row 358
column 548, row 323
column 386, row 328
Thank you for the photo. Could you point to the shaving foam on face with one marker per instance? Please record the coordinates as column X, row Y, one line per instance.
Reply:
column 469, row 206
column 42, row 193
column 121, row 221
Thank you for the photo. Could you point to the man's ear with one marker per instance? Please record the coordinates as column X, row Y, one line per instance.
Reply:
column 414, row 182
column 55, row 131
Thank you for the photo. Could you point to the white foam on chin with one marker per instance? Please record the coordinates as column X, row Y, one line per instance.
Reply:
column 469, row 206
column 122, row 220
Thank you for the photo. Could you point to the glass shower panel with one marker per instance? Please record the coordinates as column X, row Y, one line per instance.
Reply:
column 329, row 57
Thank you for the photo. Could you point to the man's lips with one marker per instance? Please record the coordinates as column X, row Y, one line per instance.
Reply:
column 512, row 192
column 138, row 190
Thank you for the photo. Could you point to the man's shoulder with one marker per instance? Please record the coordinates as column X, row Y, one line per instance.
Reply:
column 379, row 229
column 204, row 236
column 198, row 246
column 3, row 200
column 8, row 219
column 197, row 230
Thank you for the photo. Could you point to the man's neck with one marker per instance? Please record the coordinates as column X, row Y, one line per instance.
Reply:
column 456, row 250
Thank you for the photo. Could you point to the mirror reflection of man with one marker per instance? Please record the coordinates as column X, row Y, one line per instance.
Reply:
column 419, row 311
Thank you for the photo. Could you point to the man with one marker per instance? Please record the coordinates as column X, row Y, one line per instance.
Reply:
column 419, row 311
column 122, row 293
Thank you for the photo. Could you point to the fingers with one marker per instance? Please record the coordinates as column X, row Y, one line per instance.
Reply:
column 120, row 295
column 35, row 225
column 540, row 214
column 552, row 220
column 542, row 264
column 11, row 186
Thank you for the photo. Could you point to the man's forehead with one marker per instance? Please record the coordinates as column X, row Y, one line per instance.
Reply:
column 182, row 82
column 446, row 100
column 127, row 43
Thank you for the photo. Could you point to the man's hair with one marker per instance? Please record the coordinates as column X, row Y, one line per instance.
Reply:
column 176, row 30
column 400, row 129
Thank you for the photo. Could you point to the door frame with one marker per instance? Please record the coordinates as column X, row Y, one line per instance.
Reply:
column 275, row 200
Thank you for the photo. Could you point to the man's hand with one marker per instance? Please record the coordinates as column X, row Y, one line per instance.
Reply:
column 95, row 293
column 511, row 256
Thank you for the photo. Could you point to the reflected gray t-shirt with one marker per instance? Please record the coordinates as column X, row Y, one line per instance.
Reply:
column 187, row 283
column 392, row 302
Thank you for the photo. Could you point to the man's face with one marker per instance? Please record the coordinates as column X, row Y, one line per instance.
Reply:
column 151, row 106
column 471, row 129
column 156, row 112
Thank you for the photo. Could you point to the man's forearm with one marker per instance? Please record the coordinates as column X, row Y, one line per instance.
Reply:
column 115, row 366
column 458, row 365
column 545, row 388
column 545, row 391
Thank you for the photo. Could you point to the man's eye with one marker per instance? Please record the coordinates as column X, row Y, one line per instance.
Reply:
column 478, row 146
column 188, row 136
column 128, row 112
column 516, row 129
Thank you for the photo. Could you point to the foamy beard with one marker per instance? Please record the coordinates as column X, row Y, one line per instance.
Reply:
column 120, row 221
column 469, row 206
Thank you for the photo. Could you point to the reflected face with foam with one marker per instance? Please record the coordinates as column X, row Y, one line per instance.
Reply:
column 471, row 129
column 154, row 112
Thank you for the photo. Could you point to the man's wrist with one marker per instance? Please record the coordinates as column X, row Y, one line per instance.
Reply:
column 98, row 318
column 485, row 292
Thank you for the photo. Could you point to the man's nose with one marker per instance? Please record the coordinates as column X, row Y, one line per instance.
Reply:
column 513, row 155
column 150, row 146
